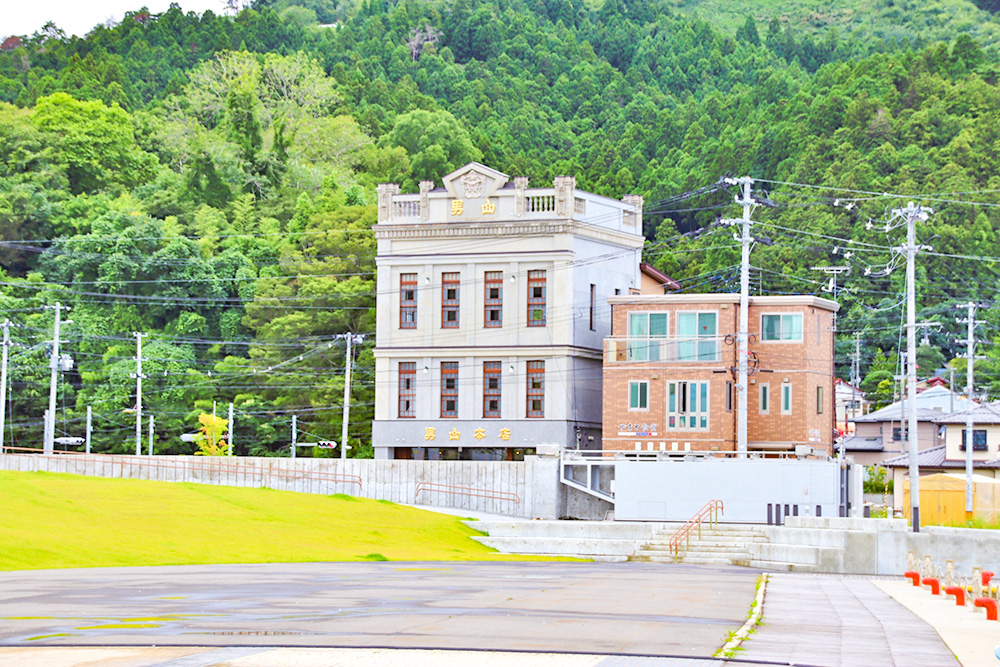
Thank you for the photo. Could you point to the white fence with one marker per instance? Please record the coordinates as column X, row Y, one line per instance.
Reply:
column 513, row 488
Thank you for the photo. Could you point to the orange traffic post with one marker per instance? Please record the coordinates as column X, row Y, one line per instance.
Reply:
column 958, row 592
column 990, row 605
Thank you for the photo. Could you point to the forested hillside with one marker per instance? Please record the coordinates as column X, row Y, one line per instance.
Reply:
column 209, row 180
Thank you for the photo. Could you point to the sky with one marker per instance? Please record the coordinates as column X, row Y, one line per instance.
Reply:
column 78, row 17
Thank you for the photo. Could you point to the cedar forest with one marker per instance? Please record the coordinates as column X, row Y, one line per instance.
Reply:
column 209, row 180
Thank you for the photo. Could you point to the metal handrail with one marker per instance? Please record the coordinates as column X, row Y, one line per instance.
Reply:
column 466, row 491
column 8, row 448
column 712, row 509
column 221, row 466
column 611, row 455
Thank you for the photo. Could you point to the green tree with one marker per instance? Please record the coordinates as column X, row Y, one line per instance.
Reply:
column 93, row 142
column 436, row 142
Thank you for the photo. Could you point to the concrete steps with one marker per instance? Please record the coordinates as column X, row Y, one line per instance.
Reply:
column 783, row 549
column 718, row 545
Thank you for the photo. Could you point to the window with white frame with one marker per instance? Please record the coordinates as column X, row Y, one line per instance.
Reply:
column 643, row 331
column 687, row 406
column 781, row 327
column 764, row 398
column 697, row 336
column 638, row 395
column 786, row 398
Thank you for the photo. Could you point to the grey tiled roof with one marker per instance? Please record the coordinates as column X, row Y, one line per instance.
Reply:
column 858, row 443
column 934, row 458
column 932, row 404
column 987, row 413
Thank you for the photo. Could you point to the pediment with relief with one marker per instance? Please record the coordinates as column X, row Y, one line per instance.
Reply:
column 474, row 181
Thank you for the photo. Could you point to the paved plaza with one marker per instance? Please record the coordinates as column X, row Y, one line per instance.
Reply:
column 551, row 614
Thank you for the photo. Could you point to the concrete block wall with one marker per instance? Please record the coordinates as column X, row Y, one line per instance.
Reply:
column 876, row 546
column 534, row 481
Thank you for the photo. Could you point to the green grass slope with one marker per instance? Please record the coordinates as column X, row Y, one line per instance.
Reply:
column 55, row 521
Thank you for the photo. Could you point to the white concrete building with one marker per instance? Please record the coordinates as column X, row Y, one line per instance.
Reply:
column 492, row 310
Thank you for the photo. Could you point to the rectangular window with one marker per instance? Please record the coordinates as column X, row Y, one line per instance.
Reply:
column 764, row 405
column 638, row 395
column 536, row 298
column 781, row 327
column 898, row 433
column 407, row 389
column 786, row 398
column 593, row 304
column 449, row 389
column 493, row 317
column 687, row 406
column 407, row 301
column 697, row 337
column 450, row 283
column 978, row 440
column 729, row 397
column 491, row 388
column 643, row 329
column 819, row 400
column 536, row 388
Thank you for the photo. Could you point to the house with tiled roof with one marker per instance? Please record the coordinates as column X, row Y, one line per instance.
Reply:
column 949, row 456
column 881, row 434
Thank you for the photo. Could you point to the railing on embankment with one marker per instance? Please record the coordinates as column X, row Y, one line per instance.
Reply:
column 496, row 487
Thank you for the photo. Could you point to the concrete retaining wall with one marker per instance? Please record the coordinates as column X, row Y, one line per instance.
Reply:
column 876, row 546
column 600, row 540
column 528, row 489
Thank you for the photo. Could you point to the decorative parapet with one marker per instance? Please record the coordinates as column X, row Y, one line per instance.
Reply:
column 477, row 194
column 425, row 209
column 630, row 219
column 385, row 193
column 564, row 185
column 520, row 186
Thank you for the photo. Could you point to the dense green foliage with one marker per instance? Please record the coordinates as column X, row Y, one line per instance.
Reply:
column 209, row 180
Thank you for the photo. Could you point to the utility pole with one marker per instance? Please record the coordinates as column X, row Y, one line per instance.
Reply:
column 90, row 416
column 347, row 393
column 833, row 272
column 50, row 430
column 230, row 429
column 912, row 213
column 138, row 391
column 970, row 355
column 951, row 386
column 3, row 379
column 856, row 374
column 150, row 450
column 743, row 335
column 295, row 433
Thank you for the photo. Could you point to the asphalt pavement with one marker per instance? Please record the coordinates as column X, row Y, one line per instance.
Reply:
column 391, row 613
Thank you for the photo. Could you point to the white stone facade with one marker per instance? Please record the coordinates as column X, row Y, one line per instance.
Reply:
column 549, row 258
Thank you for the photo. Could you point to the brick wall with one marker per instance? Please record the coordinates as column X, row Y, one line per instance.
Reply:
column 805, row 365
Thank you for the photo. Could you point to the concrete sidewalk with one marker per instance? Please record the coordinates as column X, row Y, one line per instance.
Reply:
column 965, row 630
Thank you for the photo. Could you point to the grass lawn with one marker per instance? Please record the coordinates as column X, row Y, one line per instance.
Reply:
column 53, row 520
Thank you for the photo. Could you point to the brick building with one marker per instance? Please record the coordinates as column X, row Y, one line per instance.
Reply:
column 670, row 364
